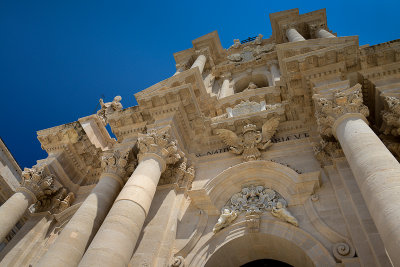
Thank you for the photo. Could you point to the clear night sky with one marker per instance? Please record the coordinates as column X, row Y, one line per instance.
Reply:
column 58, row 57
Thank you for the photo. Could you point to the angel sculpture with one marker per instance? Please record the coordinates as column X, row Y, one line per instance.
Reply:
column 282, row 213
column 109, row 108
column 251, row 141
column 226, row 218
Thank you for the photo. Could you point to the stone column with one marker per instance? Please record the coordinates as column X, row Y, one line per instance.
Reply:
column 376, row 171
column 293, row 35
column 35, row 186
column 321, row 33
column 70, row 246
column 200, row 62
column 275, row 73
column 116, row 239
column 226, row 89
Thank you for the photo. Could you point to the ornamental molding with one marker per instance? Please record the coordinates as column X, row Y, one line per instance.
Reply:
column 179, row 173
column 254, row 200
column 38, row 183
column 328, row 108
column 250, row 142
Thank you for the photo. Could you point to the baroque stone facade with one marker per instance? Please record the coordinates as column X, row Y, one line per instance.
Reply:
column 283, row 148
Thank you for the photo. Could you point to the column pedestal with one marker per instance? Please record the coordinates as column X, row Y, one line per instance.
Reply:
column 294, row 36
column 70, row 246
column 377, row 174
column 13, row 210
column 115, row 241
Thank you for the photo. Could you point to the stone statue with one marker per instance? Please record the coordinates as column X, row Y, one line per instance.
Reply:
column 226, row 218
column 235, row 57
column 251, row 86
column 282, row 213
column 249, row 143
column 258, row 39
column 236, row 43
column 109, row 108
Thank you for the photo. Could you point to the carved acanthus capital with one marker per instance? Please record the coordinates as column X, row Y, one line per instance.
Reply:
column 324, row 151
column 119, row 162
column 254, row 200
column 38, row 184
column 179, row 173
column 160, row 143
column 391, row 116
column 58, row 202
column 251, row 141
column 331, row 107
column 109, row 108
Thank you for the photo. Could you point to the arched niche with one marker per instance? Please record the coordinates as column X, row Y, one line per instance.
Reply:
column 260, row 79
column 235, row 246
column 294, row 187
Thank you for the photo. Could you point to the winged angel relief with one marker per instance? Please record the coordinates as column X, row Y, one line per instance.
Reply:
column 251, row 141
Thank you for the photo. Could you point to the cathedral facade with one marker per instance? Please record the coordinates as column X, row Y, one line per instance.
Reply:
column 279, row 149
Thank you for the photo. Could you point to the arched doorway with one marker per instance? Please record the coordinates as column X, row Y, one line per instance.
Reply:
column 250, row 248
column 266, row 263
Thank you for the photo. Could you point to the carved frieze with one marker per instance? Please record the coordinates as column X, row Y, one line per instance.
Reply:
column 251, row 141
column 328, row 110
column 254, row 199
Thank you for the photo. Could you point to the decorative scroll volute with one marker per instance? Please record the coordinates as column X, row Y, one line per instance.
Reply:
column 159, row 142
column 328, row 110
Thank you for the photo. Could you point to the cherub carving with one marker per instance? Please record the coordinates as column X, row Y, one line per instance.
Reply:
column 282, row 213
column 251, row 141
column 226, row 218
column 109, row 108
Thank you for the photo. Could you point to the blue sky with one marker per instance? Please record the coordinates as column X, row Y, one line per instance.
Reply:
column 58, row 57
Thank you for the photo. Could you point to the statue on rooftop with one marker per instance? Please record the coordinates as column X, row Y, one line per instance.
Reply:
column 109, row 108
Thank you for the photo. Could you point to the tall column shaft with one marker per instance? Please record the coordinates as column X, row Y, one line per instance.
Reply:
column 115, row 241
column 70, row 246
column 13, row 210
column 377, row 174
column 321, row 33
column 200, row 62
column 276, row 75
column 226, row 90
column 294, row 36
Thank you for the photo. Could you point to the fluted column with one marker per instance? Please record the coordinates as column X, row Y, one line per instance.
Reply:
column 70, row 246
column 294, row 36
column 35, row 185
column 115, row 241
column 321, row 33
column 226, row 89
column 376, row 171
column 275, row 73
column 200, row 62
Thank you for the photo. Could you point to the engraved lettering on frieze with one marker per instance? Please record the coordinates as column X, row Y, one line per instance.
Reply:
column 251, row 141
column 254, row 199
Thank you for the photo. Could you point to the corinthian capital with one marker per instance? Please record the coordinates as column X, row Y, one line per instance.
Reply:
column 37, row 183
column 328, row 108
column 391, row 116
column 160, row 143
column 118, row 162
